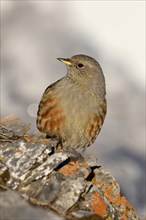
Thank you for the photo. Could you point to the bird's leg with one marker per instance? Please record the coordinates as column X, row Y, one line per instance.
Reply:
column 59, row 146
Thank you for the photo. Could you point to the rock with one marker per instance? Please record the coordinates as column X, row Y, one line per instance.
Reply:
column 66, row 183
column 20, row 209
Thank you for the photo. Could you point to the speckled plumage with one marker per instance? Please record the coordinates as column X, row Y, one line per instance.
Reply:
column 73, row 108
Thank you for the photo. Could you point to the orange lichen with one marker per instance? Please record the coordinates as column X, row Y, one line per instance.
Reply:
column 108, row 218
column 46, row 140
column 8, row 119
column 72, row 169
column 111, row 194
column 126, row 206
column 99, row 205
column 97, row 182
column 124, row 201
column 86, row 175
column 27, row 138
column 34, row 139
column 115, row 198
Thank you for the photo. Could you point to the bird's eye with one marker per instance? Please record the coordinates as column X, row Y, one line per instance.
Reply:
column 80, row 65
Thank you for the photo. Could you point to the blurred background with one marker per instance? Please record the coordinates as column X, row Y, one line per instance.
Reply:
column 35, row 33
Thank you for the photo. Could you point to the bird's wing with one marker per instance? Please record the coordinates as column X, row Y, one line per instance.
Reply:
column 50, row 117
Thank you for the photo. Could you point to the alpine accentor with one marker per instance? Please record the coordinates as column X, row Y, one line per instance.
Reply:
column 73, row 108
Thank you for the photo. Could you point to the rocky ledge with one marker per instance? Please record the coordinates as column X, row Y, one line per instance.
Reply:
column 39, row 182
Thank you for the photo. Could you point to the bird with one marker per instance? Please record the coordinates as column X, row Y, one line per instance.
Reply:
column 72, row 109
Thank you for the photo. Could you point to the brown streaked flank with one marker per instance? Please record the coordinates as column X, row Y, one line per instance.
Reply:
column 73, row 109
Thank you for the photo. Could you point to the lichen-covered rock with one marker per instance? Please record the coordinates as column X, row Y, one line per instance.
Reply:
column 13, row 206
column 12, row 128
column 70, row 184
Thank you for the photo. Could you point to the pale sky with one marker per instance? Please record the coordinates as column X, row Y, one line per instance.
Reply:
column 123, row 36
column 118, row 25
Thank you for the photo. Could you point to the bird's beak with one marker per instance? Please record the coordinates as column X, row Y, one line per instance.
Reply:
column 66, row 61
